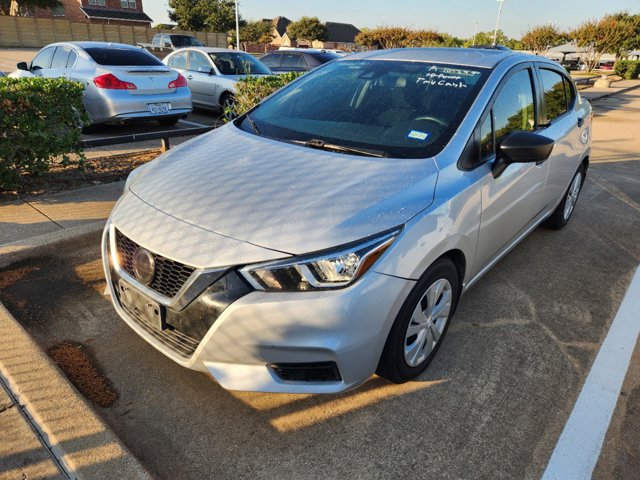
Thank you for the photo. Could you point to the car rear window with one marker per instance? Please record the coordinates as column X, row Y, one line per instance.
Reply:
column 325, row 57
column 121, row 57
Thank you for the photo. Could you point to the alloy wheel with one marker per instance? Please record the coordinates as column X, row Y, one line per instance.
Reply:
column 572, row 195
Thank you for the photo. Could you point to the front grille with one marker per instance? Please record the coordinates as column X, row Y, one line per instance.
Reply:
column 307, row 372
column 170, row 275
column 178, row 342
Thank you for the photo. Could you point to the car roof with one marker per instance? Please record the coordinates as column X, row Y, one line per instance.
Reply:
column 84, row 45
column 469, row 57
column 210, row 50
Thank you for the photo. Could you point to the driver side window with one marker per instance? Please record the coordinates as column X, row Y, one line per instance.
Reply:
column 43, row 59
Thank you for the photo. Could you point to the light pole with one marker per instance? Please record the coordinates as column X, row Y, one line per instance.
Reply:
column 495, row 32
column 237, row 27
column 475, row 34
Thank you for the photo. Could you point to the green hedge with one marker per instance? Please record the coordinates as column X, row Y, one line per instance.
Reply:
column 40, row 120
column 252, row 90
column 629, row 69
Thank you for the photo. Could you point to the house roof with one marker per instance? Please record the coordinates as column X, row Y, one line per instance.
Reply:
column 280, row 24
column 341, row 32
column 107, row 14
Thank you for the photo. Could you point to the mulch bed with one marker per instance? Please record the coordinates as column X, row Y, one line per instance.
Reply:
column 74, row 360
column 96, row 171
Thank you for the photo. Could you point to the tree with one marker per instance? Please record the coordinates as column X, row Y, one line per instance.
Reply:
column 257, row 32
column 307, row 28
column 486, row 38
column 631, row 42
column 22, row 7
column 203, row 15
column 541, row 38
column 597, row 37
column 451, row 41
column 424, row 38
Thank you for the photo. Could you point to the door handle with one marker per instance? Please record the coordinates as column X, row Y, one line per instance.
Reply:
column 189, row 77
column 580, row 121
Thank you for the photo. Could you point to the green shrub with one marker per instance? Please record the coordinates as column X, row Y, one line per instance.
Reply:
column 628, row 69
column 252, row 90
column 40, row 119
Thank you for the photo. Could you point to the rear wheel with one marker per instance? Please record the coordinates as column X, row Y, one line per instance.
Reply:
column 422, row 323
column 168, row 122
column 561, row 215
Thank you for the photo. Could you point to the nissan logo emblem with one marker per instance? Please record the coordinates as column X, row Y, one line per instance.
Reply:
column 144, row 266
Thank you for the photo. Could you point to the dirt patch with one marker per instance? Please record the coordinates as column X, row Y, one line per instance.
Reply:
column 11, row 277
column 76, row 362
column 95, row 171
column 92, row 275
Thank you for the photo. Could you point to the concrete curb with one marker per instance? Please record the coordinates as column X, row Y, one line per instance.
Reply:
column 611, row 94
column 79, row 440
column 42, row 244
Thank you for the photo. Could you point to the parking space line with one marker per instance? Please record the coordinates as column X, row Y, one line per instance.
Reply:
column 578, row 449
column 195, row 124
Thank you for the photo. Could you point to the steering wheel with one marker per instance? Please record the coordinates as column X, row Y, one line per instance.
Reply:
column 431, row 119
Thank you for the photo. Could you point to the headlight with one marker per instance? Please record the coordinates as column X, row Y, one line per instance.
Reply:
column 334, row 269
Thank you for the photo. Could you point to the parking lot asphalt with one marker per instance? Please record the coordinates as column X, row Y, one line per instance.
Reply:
column 492, row 404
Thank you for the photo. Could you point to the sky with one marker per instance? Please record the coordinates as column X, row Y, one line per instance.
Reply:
column 456, row 17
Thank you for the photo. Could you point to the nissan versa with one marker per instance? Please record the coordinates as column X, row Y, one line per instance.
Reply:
column 330, row 232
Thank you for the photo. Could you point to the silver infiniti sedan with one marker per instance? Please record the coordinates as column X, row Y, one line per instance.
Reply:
column 122, row 83
column 330, row 233
column 212, row 74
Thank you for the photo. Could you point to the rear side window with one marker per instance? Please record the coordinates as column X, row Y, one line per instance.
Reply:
column 179, row 60
column 555, row 94
column 61, row 57
column 43, row 59
column 514, row 108
column 123, row 57
column 271, row 60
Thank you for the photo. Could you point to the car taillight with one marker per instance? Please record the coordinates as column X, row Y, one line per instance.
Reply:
column 109, row 81
column 178, row 82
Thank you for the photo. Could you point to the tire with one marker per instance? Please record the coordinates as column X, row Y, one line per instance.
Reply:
column 406, row 354
column 168, row 122
column 562, row 214
column 228, row 102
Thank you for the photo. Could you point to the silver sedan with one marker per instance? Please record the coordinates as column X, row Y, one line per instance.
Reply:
column 331, row 232
column 122, row 83
column 212, row 74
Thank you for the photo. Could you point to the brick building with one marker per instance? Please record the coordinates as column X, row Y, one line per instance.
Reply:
column 114, row 12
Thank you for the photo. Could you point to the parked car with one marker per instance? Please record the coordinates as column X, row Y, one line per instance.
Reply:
column 2, row 74
column 212, row 74
column 297, row 60
column 165, row 43
column 330, row 232
column 122, row 82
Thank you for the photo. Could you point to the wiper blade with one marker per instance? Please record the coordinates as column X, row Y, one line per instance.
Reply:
column 252, row 123
column 330, row 147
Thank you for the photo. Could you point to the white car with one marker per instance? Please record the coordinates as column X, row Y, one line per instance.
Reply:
column 212, row 74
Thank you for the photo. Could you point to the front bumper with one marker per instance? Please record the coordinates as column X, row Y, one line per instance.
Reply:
column 255, row 330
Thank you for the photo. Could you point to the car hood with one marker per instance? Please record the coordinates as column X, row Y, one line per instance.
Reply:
column 283, row 197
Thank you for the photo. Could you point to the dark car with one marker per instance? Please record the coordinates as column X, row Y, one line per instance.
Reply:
column 297, row 60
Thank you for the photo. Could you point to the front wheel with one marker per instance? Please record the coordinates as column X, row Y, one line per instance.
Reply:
column 422, row 323
column 228, row 104
column 561, row 215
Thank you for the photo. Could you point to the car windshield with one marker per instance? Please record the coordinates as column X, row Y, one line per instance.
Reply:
column 400, row 108
column 185, row 41
column 123, row 57
column 234, row 63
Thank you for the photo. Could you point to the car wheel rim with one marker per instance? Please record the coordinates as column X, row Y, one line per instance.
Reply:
column 228, row 107
column 572, row 195
column 427, row 322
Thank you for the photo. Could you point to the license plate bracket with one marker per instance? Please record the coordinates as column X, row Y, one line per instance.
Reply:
column 141, row 306
column 159, row 108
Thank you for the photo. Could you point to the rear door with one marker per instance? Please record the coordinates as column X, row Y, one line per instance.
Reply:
column 564, row 124
column 273, row 61
column 293, row 62
column 200, row 79
column 511, row 202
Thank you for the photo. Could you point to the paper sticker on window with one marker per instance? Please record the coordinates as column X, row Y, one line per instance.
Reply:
column 417, row 135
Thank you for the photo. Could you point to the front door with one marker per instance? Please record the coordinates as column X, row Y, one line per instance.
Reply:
column 201, row 80
column 512, row 201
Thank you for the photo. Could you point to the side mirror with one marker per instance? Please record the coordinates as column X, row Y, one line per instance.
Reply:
column 23, row 66
column 521, row 147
